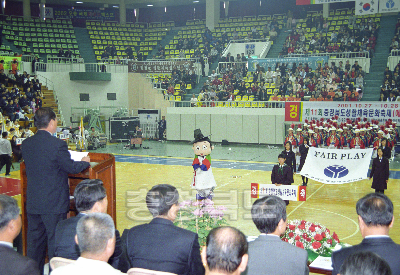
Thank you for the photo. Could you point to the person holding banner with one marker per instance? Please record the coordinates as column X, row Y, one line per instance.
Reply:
column 282, row 173
column 303, row 149
column 290, row 157
column 380, row 172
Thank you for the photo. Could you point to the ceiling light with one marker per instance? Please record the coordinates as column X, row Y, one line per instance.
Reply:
column 79, row 2
column 196, row 1
column 115, row 7
column 149, row 5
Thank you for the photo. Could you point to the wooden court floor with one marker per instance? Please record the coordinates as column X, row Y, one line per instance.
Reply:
column 330, row 205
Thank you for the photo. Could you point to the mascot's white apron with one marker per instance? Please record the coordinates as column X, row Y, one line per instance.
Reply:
column 203, row 179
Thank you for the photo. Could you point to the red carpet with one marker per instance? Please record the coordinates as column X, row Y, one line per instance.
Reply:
column 9, row 186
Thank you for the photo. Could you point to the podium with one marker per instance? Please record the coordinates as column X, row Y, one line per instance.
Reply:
column 102, row 166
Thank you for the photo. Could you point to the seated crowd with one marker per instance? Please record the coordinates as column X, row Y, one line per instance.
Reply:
column 360, row 38
column 90, row 240
column 178, row 82
column 394, row 44
column 390, row 85
column 338, row 82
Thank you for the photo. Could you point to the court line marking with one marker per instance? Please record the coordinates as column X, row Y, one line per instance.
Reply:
column 309, row 197
column 356, row 224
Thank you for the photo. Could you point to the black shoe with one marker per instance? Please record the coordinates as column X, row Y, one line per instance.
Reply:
column 8, row 174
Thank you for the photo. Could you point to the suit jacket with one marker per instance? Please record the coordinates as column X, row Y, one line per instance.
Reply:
column 285, row 177
column 162, row 246
column 66, row 247
column 384, row 247
column 380, row 173
column 48, row 163
column 290, row 159
column 269, row 255
column 13, row 263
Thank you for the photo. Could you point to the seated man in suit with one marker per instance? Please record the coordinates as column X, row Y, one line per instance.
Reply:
column 11, row 262
column 226, row 251
column 375, row 218
column 160, row 245
column 95, row 236
column 365, row 262
column 268, row 254
column 90, row 197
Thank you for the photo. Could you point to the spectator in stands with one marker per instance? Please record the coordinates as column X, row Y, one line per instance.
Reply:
column 61, row 53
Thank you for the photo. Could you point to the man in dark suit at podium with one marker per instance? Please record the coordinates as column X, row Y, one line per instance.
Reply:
column 375, row 218
column 48, row 164
column 282, row 173
column 90, row 197
column 160, row 245
column 12, row 263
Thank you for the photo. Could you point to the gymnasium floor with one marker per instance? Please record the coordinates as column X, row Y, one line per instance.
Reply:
column 235, row 167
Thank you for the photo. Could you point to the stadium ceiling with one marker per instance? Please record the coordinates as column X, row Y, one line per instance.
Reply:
column 130, row 4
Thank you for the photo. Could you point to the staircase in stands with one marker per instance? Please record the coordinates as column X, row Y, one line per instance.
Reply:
column 50, row 101
column 373, row 80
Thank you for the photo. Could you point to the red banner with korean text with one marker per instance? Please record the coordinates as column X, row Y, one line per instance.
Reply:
column 285, row 192
column 293, row 111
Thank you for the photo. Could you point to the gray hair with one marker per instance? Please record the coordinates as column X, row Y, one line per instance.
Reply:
column 9, row 210
column 94, row 230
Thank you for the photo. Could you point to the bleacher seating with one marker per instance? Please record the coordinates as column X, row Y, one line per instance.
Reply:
column 39, row 37
column 136, row 35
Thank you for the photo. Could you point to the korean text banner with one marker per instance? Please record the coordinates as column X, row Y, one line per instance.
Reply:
column 88, row 14
column 381, row 111
column 285, row 192
column 389, row 6
column 271, row 62
column 158, row 66
column 293, row 111
column 337, row 166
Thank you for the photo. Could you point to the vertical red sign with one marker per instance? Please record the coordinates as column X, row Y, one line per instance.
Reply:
column 302, row 196
column 292, row 111
column 254, row 190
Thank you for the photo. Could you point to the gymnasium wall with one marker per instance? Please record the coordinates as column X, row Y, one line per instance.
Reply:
column 68, row 91
column 239, row 125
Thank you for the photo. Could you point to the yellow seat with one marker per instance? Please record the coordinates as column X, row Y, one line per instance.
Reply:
column 269, row 91
column 177, row 87
column 261, row 104
column 266, row 85
column 251, row 98
column 254, row 104
column 189, row 86
column 235, row 92
column 240, row 104
column 272, row 85
column 220, row 104
column 178, row 98
column 171, row 97
column 247, row 104
column 238, row 98
column 245, row 98
column 176, row 93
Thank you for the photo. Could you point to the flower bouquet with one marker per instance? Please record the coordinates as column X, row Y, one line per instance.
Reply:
column 200, row 217
column 313, row 237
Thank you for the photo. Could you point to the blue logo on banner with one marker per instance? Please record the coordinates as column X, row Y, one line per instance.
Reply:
column 390, row 4
column 336, row 171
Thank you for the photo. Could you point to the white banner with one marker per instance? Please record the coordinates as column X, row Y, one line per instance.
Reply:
column 285, row 192
column 337, row 166
column 381, row 111
column 48, row 12
column 364, row 7
column 389, row 6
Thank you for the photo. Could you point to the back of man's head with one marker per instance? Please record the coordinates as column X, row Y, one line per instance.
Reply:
column 225, row 248
column 9, row 211
column 365, row 263
column 267, row 212
column 4, row 134
column 87, row 193
column 94, row 232
column 160, row 199
column 43, row 116
column 375, row 209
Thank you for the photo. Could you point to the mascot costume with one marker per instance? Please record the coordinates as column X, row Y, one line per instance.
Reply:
column 203, row 178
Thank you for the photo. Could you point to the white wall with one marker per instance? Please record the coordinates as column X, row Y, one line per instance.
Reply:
column 68, row 91
column 241, row 125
